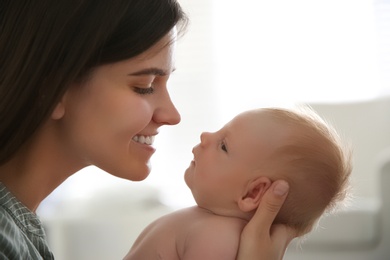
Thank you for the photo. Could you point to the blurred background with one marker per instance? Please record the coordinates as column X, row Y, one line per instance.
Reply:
column 237, row 55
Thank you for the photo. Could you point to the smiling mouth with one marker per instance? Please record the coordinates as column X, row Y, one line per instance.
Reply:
column 144, row 139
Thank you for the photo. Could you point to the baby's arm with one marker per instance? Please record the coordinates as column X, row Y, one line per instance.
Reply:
column 213, row 240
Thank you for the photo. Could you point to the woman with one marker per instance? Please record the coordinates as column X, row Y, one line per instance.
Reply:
column 83, row 82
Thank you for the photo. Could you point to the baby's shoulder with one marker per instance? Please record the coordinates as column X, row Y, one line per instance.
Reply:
column 213, row 235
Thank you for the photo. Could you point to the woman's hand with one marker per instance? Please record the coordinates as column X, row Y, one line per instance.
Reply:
column 260, row 240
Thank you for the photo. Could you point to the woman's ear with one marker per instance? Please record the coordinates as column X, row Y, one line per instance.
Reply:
column 59, row 110
column 253, row 193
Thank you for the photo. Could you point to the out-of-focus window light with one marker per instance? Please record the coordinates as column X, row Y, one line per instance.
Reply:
column 276, row 52
column 238, row 55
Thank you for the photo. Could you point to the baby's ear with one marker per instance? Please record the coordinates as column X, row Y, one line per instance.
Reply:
column 253, row 193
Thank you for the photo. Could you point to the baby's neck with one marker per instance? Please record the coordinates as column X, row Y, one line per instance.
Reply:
column 229, row 213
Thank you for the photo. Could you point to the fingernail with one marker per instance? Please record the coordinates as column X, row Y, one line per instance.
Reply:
column 281, row 188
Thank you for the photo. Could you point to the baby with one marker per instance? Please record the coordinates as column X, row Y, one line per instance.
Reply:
column 231, row 170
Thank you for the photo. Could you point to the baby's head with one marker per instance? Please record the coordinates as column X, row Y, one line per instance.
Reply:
column 233, row 167
column 316, row 164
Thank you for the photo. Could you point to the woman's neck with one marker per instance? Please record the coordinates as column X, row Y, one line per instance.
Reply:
column 38, row 168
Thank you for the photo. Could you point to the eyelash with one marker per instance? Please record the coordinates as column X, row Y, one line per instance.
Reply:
column 143, row 91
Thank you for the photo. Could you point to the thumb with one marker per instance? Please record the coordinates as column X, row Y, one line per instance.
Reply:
column 260, row 239
column 270, row 204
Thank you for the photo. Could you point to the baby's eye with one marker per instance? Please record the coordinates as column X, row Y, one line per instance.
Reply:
column 224, row 147
column 143, row 91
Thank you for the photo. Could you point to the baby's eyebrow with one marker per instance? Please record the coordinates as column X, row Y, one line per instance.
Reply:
column 150, row 71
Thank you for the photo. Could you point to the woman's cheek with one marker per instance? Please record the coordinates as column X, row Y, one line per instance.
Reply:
column 140, row 115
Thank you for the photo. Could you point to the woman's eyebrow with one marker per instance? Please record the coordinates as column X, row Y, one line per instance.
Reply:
column 150, row 71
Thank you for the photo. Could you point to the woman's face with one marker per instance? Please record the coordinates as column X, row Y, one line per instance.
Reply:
column 111, row 119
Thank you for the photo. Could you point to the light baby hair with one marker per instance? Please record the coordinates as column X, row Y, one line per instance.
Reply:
column 316, row 164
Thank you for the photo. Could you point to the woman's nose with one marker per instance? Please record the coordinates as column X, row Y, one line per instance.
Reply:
column 166, row 113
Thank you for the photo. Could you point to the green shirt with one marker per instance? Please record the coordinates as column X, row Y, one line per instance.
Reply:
column 21, row 232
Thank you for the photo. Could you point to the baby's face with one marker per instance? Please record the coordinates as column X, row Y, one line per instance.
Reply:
column 226, row 160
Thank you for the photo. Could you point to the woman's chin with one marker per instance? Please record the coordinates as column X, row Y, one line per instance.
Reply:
column 134, row 175
column 140, row 176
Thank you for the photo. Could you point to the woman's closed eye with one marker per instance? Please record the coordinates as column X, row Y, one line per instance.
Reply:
column 144, row 91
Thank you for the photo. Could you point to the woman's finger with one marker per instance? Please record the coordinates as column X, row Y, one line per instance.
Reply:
column 270, row 205
column 260, row 239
